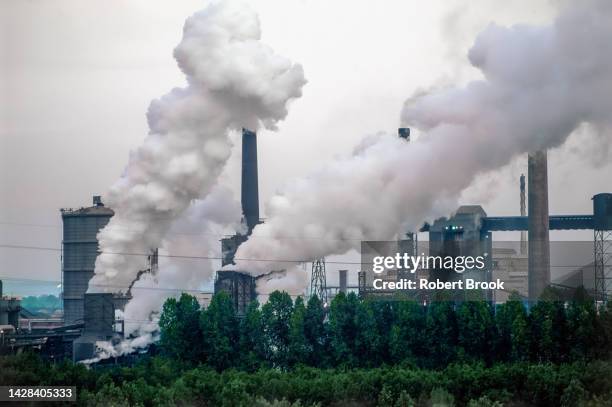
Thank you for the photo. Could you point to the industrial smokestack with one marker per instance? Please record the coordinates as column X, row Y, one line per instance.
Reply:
column 523, row 213
column 470, row 129
column 342, row 280
column 250, row 192
column 539, row 244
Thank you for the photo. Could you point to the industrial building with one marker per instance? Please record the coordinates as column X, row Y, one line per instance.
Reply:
column 510, row 266
column 370, row 249
column 89, row 318
column 462, row 235
column 469, row 232
column 10, row 308
column 241, row 286
column 538, row 271
column 99, row 325
column 47, row 336
column 538, row 232
column 79, row 253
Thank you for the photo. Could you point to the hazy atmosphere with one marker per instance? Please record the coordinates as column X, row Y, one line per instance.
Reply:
column 77, row 80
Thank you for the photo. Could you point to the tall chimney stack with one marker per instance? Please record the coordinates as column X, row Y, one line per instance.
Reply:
column 539, row 243
column 523, row 213
column 342, row 280
column 249, row 190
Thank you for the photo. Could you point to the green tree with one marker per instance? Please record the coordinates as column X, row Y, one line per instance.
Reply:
column 220, row 332
column 512, row 330
column 234, row 394
column 520, row 338
column 584, row 329
column 367, row 339
column 541, row 329
column 441, row 333
column 315, row 331
column 573, row 394
column 252, row 342
column 343, row 329
column 385, row 397
column 405, row 400
column 181, row 337
column 484, row 401
column 384, row 315
column 276, row 315
column 42, row 302
column 548, row 327
column 605, row 320
column 475, row 329
column 299, row 346
column 440, row 397
column 406, row 341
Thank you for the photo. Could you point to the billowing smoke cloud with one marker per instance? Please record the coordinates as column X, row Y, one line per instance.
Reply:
column 539, row 85
column 188, row 259
column 186, row 264
column 233, row 81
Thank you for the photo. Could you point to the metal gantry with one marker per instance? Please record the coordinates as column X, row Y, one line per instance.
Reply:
column 318, row 280
column 603, row 264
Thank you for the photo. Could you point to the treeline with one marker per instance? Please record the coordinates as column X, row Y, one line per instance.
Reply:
column 41, row 302
column 167, row 382
column 356, row 333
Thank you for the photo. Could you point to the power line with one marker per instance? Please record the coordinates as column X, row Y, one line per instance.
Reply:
column 175, row 256
column 185, row 290
column 216, row 235
column 193, row 257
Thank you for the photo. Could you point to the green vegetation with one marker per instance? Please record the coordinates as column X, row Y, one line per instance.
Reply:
column 47, row 303
column 355, row 333
column 356, row 353
column 159, row 381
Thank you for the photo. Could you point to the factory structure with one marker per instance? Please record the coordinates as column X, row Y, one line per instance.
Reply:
column 469, row 232
column 79, row 253
column 90, row 317
column 240, row 285
column 10, row 308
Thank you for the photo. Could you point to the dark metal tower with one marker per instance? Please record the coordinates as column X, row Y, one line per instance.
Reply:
column 79, row 253
column 523, row 213
column 249, row 187
column 318, row 280
column 602, row 226
column 249, row 198
column 538, row 235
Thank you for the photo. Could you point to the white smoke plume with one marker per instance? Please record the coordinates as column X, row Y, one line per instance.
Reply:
column 186, row 265
column 192, row 245
column 106, row 349
column 233, row 81
column 539, row 85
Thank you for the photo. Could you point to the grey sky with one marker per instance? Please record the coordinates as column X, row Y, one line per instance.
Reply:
column 77, row 77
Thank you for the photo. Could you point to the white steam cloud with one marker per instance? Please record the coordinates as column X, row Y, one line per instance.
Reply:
column 233, row 81
column 539, row 85
column 192, row 244
column 194, row 236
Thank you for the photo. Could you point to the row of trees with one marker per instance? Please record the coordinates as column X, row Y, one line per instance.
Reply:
column 159, row 381
column 41, row 303
column 367, row 333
